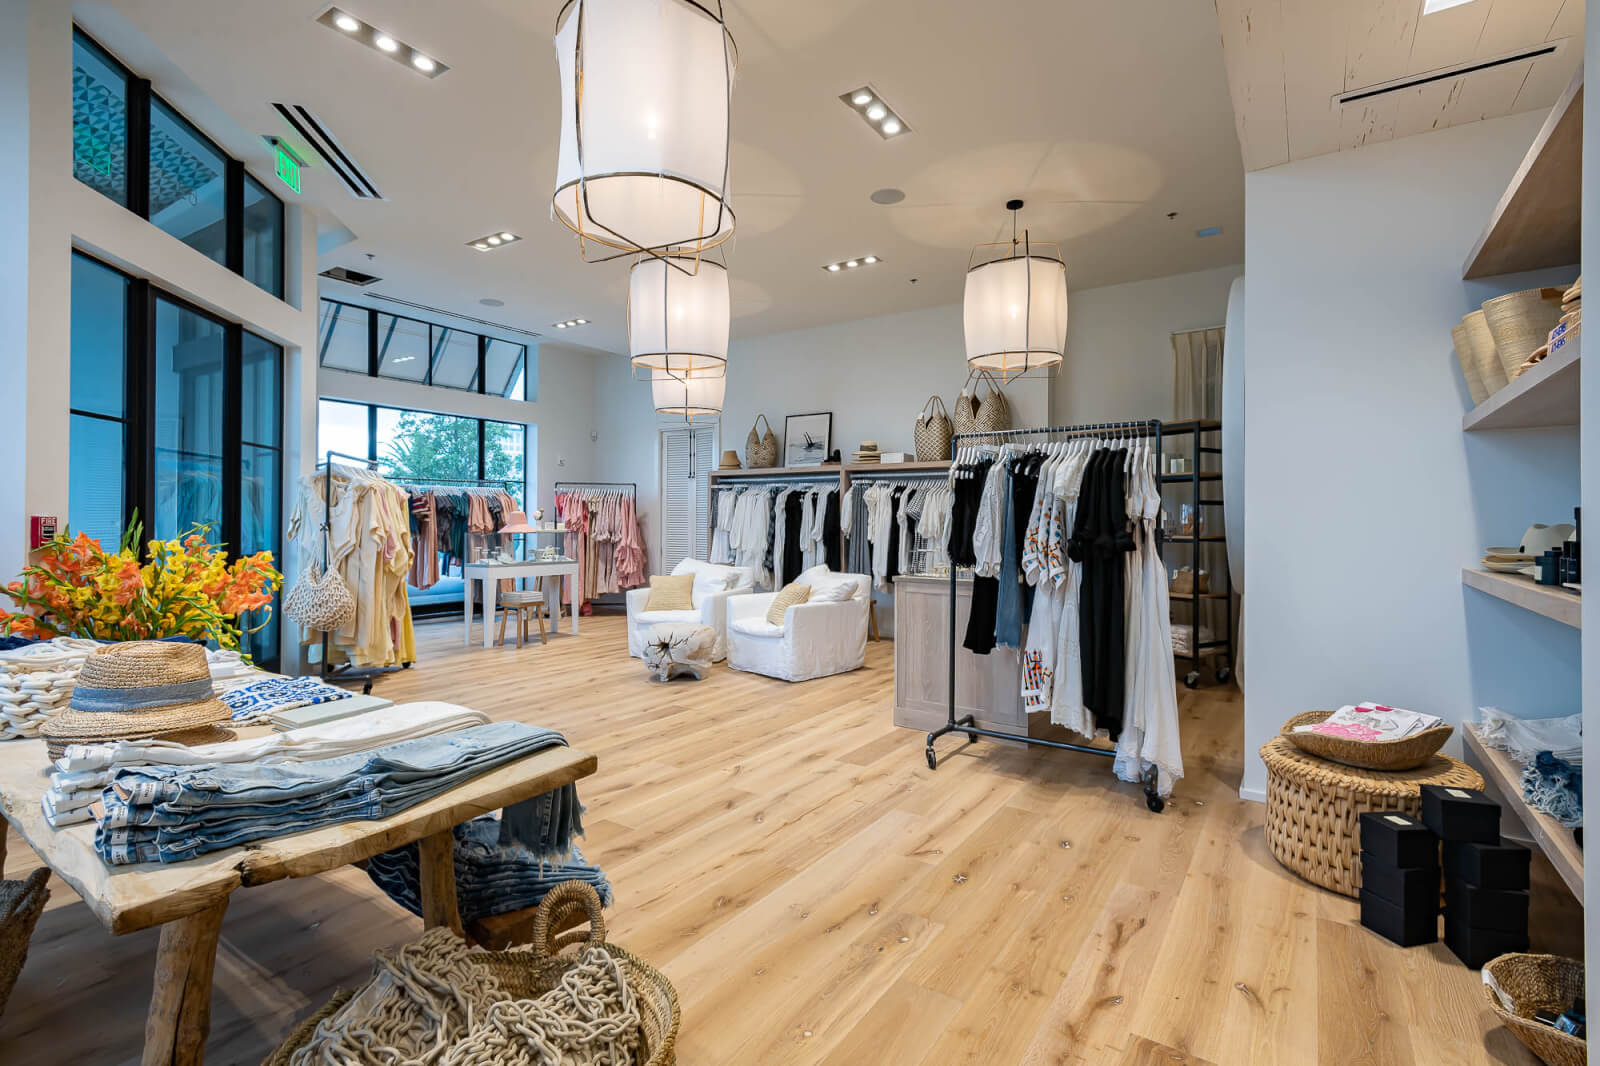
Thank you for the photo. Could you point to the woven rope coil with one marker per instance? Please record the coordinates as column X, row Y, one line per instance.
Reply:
column 1314, row 808
column 21, row 903
column 1535, row 983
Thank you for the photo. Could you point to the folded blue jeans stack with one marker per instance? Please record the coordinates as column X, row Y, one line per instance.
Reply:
column 492, row 877
column 173, row 813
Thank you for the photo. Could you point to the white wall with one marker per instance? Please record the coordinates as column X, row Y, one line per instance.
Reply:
column 1119, row 344
column 1365, row 499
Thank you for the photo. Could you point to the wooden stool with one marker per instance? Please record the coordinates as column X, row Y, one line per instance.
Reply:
column 522, row 604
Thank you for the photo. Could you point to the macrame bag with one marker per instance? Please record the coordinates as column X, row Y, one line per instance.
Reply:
column 320, row 601
column 933, row 432
column 761, row 450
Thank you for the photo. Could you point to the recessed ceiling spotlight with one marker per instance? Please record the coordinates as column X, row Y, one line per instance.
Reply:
column 387, row 43
column 852, row 264
column 571, row 323
column 494, row 240
column 875, row 111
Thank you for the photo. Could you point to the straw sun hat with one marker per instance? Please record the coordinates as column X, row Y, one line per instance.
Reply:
column 139, row 689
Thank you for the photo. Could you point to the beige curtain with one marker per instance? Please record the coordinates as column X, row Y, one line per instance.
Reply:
column 1197, row 374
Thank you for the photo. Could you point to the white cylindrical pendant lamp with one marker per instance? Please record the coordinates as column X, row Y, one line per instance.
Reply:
column 688, row 394
column 1015, row 314
column 645, row 88
column 678, row 320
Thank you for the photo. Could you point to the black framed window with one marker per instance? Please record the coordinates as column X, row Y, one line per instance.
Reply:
column 177, row 418
column 363, row 340
column 132, row 146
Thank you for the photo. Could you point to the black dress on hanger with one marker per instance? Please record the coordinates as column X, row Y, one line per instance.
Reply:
column 831, row 533
column 1100, row 540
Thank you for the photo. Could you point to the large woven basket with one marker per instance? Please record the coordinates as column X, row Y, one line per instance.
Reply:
column 994, row 410
column 1407, row 754
column 1535, row 983
column 303, row 1032
column 1314, row 808
column 1469, row 369
column 21, row 903
column 760, row 449
column 1491, row 372
column 1521, row 322
column 933, row 431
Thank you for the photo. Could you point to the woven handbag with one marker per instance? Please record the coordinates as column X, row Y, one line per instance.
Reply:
column 933, row 432
column 994, row 410
column 964, row 419
column 760, row 449
column 320, row 601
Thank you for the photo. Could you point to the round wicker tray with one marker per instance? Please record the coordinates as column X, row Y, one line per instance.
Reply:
column 1314, row 808
column 1534, row 983
column 1407, row 754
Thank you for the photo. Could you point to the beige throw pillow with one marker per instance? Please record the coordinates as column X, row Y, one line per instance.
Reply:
column 674, row 593
column 787, row 597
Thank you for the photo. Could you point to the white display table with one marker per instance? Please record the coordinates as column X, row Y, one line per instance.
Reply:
column 489, row 574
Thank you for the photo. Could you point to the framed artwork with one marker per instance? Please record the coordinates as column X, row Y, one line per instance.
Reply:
column 807, row 438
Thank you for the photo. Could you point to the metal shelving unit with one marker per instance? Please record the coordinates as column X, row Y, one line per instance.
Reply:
column 1204, row 492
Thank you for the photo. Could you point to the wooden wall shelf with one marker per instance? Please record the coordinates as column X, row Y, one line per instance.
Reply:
column 1504, row 778
column 1563, row 606
column 1547, row 395
column 1536, row 222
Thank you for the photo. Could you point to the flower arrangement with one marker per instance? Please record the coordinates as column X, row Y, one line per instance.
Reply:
column 187, row 589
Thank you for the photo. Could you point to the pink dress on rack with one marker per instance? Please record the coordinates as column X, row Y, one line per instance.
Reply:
column 571, row 510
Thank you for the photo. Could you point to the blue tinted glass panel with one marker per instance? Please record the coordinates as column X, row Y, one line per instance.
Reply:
column 502, row 369
column 342, row 336
column 187, row 180
column 99, row 120
column 402, row 348
column 261, row 368
column 259, row 508
column 99, row 337
column 455, row 358
column 503, row 446
column 94, row 479
column 263, row 237
column 188, row 362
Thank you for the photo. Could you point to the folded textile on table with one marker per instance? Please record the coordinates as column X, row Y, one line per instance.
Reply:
column 256, row 702
column 1372, row 722
column 1554, row 786
column 1525, row 738
column 491, row 877
column 173, row 813
column 1183, row 638
column 60, row 810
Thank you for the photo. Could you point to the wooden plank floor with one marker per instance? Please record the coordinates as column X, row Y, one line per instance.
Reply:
column 818, row 895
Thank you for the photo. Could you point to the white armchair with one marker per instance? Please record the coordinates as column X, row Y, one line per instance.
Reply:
column 816, row 638
column 714, row 586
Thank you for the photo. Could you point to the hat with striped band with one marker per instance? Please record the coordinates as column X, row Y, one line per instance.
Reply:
column 138, row 689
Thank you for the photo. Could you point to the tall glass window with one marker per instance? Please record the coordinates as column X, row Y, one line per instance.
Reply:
column 423, row 445
column 99, row 120
column 504, row 448
column 98, row 427
column 261, row 469
column 503, row 368
column 188, row 372
column 342, row 427
column 402, row 348
column 342, row 337
column 455, row 359
column 263, row 237
column 188, row 183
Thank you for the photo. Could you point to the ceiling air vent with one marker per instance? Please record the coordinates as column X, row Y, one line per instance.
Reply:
column 349, row 277
column 315, row 136
column 1526, row 55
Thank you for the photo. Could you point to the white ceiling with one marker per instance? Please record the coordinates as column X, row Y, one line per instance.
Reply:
column 1105, row 117
column 1288, row 59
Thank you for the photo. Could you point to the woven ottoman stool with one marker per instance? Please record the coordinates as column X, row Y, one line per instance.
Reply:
column 679, row 648
column 1314, row 807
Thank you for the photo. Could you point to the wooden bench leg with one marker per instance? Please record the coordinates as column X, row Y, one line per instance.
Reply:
column 180, row 1004
column 872, row 620
column 436, row 861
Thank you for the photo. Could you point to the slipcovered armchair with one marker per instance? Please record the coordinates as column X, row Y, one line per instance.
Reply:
column 817, row 638
column 714, row 586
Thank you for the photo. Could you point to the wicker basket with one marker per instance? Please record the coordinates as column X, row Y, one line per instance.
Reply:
column 964, row 413
column 21, row 903
column 932, row 432
column 1491, row 373
column 1314, row 808
column 1390, row 755
column 1535, row 983
column 1521, row 322
column 760, row 449
column 302, row 1033
column 1469, row 369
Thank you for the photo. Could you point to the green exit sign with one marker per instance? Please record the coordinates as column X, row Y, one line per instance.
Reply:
column 287, row 167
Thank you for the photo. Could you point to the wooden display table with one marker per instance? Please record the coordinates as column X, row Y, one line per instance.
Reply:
column 188, row 899
column 1314, row 808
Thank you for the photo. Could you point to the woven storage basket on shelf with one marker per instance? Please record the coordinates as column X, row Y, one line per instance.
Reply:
column 21, row 903
column 1469, row 369
column 1314, row 808
column 1521, row 322
column 1484, row 356
column 1535, row 983
column 1407, row 754
column 760, row 449
column 933, row 431
column 964, row 413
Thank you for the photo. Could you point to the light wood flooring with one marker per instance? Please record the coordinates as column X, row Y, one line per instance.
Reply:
column 818, row 895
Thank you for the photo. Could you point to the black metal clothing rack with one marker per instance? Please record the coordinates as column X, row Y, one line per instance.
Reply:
column 631, row 486
column 968, row 725
column 1193, row 480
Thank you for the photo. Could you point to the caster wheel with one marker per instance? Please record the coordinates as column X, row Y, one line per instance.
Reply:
column 972, row 738
column 366, row 687
column 933, row 761
column 1155, row 802
column 1192, row 679
column 1223, row 673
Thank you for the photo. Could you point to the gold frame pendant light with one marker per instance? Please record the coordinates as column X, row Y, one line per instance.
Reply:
column 1014, row 307
column 687, row 393
column 678, row 331
column 646, row 91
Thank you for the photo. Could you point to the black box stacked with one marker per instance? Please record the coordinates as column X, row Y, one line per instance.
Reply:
column 1485, row 882
column 1399, row 878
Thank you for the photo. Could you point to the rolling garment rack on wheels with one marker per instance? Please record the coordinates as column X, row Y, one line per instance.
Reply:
column 348, row 672
column 1197, row 482
column 968, row 725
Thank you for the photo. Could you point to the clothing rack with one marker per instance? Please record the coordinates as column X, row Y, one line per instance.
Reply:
column 348, row 672
column 480, row 481
column 631, row 486
column 968, row 725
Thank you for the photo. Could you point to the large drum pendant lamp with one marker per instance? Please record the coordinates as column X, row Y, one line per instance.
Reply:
column 645, row 90
column 678, row 320
column 1015, row 307
column 687, row 393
